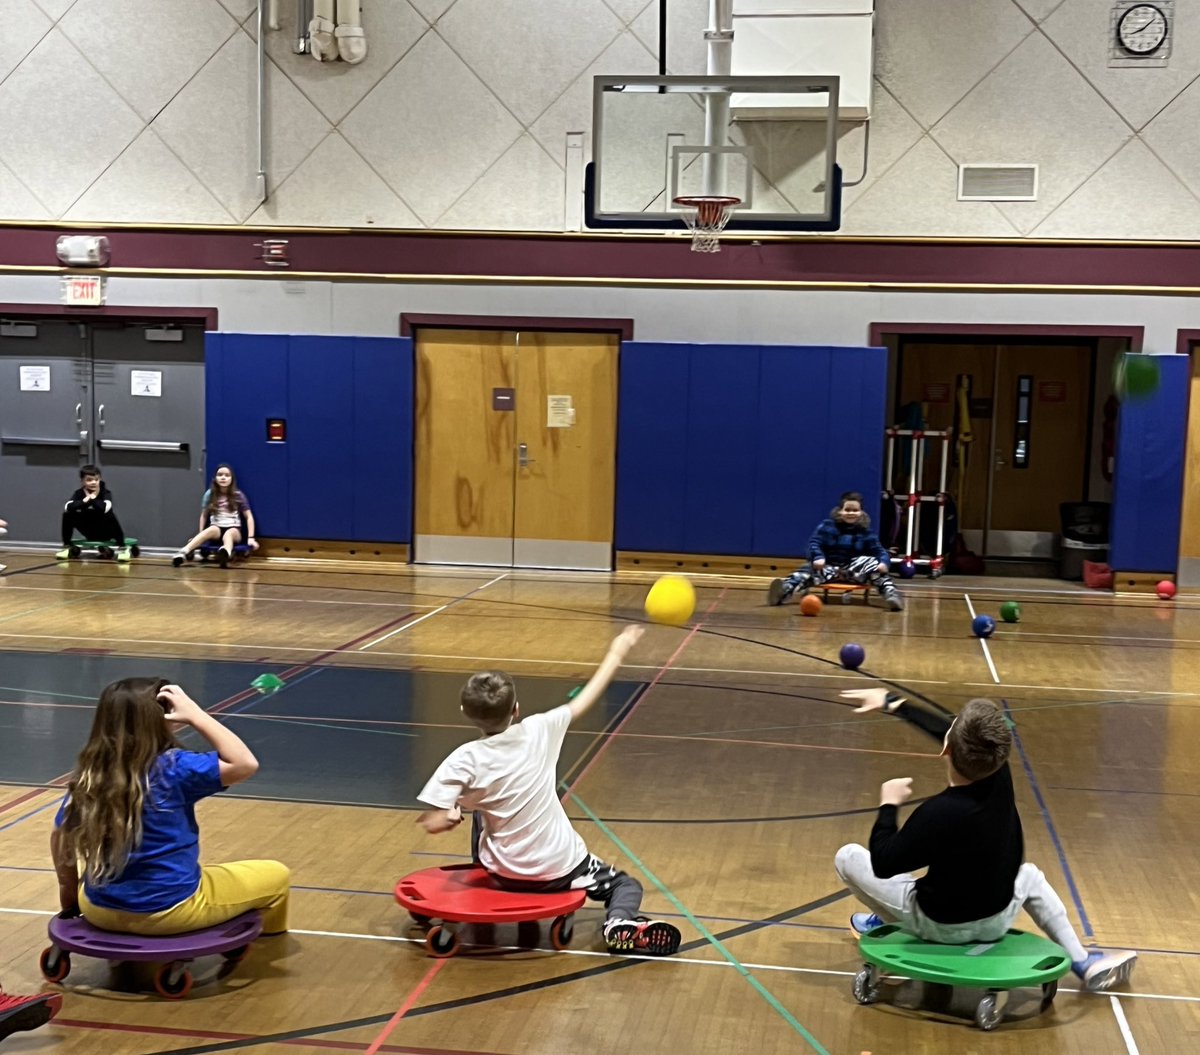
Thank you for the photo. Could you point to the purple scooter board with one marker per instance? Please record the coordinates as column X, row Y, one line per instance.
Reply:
column 172, row 951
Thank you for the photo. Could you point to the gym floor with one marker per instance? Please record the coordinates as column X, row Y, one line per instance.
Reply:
column 721, row 770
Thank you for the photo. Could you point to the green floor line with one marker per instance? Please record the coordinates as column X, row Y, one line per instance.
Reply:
column 705, row 933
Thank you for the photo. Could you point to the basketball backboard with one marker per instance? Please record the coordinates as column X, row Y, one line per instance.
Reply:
column 768, row 141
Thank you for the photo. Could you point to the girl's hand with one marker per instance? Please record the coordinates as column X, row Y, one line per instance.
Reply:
column 818, row 564
column 178, row 706
column 253, row 544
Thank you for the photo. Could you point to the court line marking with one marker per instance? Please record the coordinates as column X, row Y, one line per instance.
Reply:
column 662, row 961
column 430, row 615
column 775, row 1003
column 404, row 1008
column 250, row 596
column 1123, row 1023
column 987, row 654
column 1053, row 832
column 578, row 664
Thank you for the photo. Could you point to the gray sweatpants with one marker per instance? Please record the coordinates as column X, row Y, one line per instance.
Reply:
column 894, row 900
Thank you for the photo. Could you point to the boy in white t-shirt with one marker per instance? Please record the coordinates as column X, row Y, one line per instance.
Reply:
column 520, row 832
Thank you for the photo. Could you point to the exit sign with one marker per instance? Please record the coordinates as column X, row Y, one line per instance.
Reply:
column 83, row 291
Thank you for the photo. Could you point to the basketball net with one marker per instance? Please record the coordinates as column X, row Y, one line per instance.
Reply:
column 706, row 217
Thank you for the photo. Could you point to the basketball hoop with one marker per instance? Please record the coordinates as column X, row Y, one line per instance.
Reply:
column 706, row 216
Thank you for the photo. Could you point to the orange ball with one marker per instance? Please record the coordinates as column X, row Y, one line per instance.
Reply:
column 810, row 604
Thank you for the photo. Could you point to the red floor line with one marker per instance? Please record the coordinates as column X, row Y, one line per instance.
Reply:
column 653, row 681
column 407, row 1006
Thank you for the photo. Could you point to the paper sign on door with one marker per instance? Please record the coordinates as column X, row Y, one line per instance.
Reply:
column 560, row 414
column 35, row 379
column 145, row 383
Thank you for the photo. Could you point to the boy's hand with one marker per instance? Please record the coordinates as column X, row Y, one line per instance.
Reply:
column 895, row 792
column 625, row 640
column 818, row 564
column 870, row 699
column 437, row 821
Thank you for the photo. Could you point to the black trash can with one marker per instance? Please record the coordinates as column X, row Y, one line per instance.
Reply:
column 1084, row 536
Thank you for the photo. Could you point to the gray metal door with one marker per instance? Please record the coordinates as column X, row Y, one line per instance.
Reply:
column 129, row 398
column 148, row 424
column 45, row 377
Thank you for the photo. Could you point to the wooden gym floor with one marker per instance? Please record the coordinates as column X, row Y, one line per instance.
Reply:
column 721, row 770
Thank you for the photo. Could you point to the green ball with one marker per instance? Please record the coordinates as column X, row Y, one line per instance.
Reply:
column 1010, row 611
column 1135, row 376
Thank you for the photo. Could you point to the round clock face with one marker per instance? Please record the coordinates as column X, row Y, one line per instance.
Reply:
column 1142, row 29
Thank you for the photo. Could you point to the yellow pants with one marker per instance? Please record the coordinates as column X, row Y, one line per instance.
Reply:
column 225, row 891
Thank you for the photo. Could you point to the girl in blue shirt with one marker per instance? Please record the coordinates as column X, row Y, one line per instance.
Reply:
column 127, row 826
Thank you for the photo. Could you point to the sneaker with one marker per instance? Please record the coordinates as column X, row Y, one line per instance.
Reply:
column 778, row 591
column 1103, row 970
column 864, row 922
column 223, row 557
column 63, row 554
column 892, row 598
column 179, row 558
column 643, row 937
column 124, row 554
column 18, row 1013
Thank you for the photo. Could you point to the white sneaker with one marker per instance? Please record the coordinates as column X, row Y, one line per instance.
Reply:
column 1101, row 971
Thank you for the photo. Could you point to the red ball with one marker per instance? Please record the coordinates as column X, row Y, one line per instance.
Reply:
column 1165, row 589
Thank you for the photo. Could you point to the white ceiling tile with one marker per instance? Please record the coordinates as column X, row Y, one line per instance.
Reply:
column 55, row 8
column 1133, row 196
column 523, row 191
column 55, row 89
column 25, row 25
column 17, row 202
column 487, row 34
column 175, row 38
column 1034, row 107
column 166, row 192
column 1081, row 30
column 432, row 10
column 335, row 187
column 1172, row 136
column 572, row 111
column 448, row 128
column 211, row 124
column 930, row 53
column 918, row 196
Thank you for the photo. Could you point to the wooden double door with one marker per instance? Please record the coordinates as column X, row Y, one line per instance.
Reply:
column 515, row 448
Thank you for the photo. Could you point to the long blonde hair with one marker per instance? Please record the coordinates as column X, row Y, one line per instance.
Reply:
column 107, row 791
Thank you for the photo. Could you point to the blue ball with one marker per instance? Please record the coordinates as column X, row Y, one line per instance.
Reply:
column 983, row 625
column 852, row 656
column 907, row 569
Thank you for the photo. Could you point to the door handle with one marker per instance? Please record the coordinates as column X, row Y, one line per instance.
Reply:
column 79, row 414
column 100, row 415
column 523, row 459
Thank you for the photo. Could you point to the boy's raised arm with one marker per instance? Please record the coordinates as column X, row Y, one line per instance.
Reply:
column 609, row 666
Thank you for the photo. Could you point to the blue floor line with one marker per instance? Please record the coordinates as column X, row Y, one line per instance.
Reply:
column 1045, row 811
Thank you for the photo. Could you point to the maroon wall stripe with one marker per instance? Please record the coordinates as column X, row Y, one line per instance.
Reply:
column 656, row 258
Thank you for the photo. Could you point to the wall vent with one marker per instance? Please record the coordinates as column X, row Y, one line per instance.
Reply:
column 997, row 182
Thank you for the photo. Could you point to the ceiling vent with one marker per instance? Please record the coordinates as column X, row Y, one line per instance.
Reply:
column 997, row 182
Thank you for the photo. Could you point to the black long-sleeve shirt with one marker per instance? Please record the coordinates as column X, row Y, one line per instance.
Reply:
column 969, row 837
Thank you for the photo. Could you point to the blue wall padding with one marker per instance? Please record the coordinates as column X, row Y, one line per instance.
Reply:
column 382, row 459
column 743, row 449
column 652, row 446
column 723, row 386
column 345, row 471
column 1148, row 473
